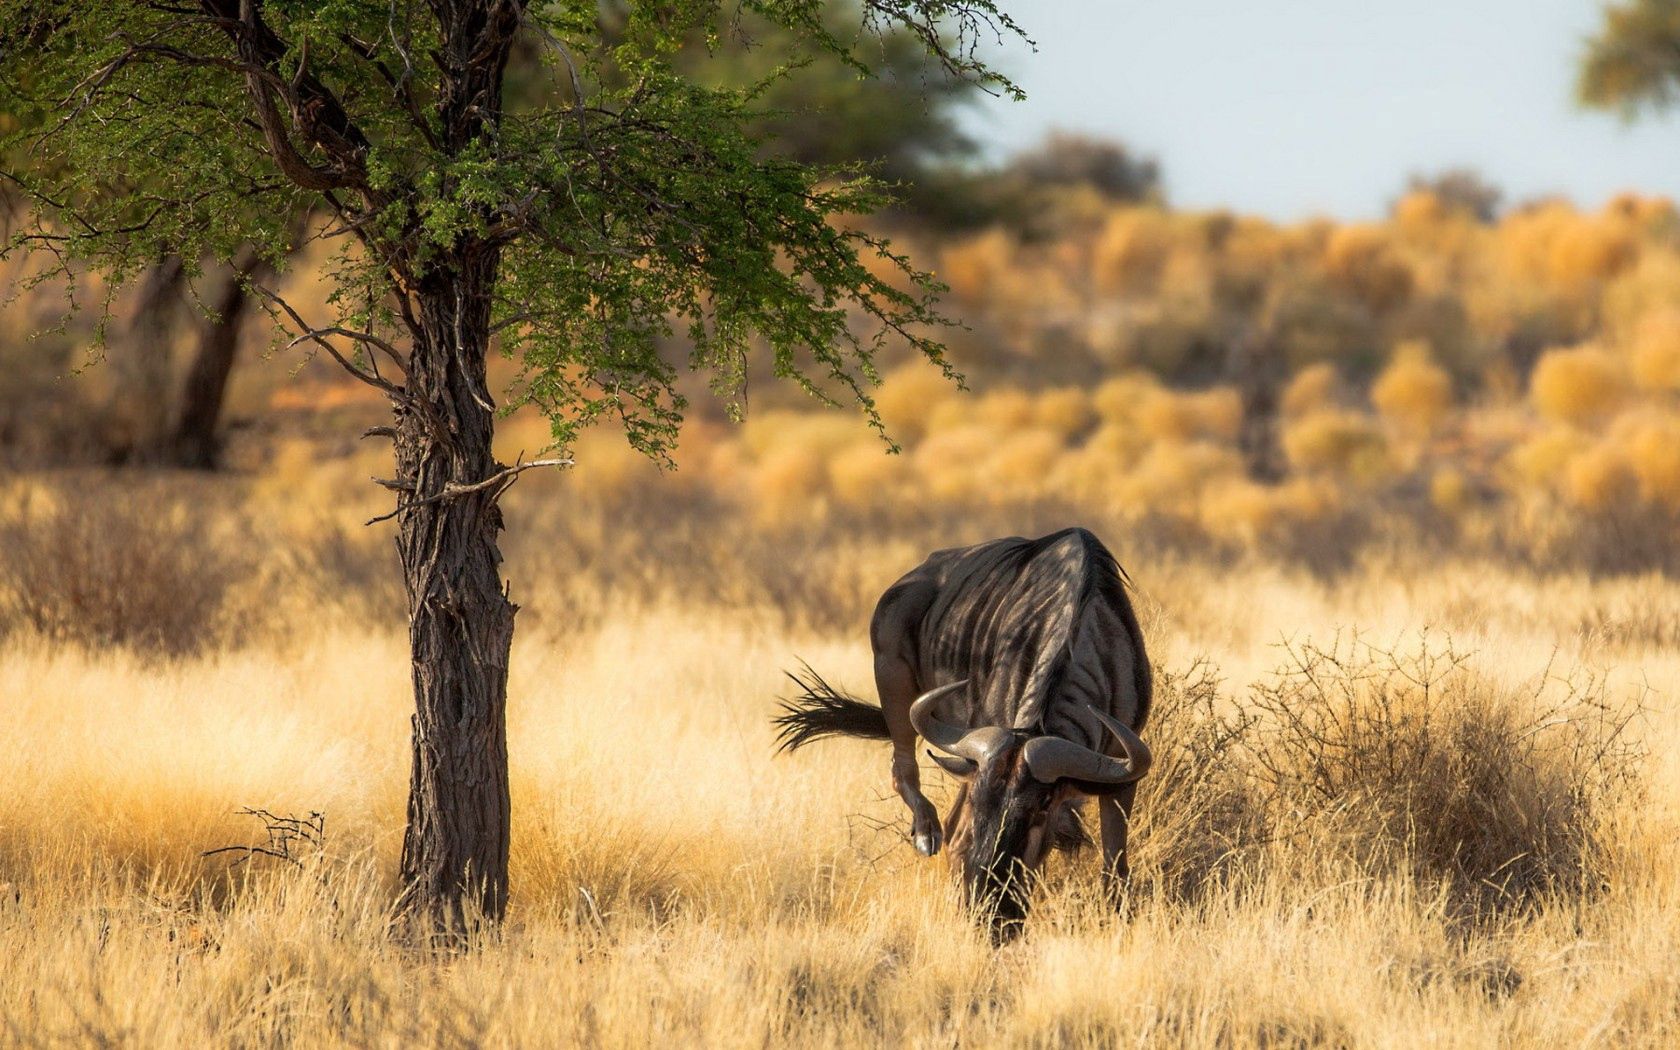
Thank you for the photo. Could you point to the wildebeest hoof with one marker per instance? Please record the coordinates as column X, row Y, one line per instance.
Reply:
column 927, row 843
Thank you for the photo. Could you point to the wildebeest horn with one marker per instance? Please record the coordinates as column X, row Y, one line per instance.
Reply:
column 1050, row 758
column 942, row 735
column 972, row 746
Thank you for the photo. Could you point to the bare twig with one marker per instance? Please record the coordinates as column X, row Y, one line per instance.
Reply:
column 501, row 480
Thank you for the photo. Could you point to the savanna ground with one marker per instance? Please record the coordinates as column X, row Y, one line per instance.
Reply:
column 1454, row 829
column 1417, row 658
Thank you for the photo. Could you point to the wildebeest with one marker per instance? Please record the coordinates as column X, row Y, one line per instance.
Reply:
column 1021, row 661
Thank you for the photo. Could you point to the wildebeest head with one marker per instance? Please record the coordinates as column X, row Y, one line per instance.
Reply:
column 1017, row 787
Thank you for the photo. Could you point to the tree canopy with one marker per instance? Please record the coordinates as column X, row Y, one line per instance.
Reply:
column 1633, row 61
column 627, row 201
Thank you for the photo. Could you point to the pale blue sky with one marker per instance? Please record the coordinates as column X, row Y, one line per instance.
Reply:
column 1298, row 107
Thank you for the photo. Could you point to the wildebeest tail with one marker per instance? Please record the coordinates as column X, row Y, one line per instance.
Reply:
column 820, row 710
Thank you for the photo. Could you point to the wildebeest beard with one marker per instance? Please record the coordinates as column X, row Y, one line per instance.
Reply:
column 1000, row 834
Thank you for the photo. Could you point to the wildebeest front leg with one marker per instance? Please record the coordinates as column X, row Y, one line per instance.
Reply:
column 895, row 683
column 1115, row 812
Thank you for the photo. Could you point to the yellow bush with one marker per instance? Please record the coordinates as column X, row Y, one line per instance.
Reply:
column 1413, row 392
column 1651, row 450
column 864, row 475
column 945, row 463
column 1089, row 476
column 1592, row 249
column 826, row 432
column 1541, row 461
column 1360, row 260
column 1006, row 408
column 1598, row 479
column 1167, row 415
column 972, row 268
column 1119, row 400
column 788, row 482
column 1309, row 389
column 1419, row 211
column 1020, row 465
column 1170, row 479
column 1066, row 410
column 1578, row 385
column 1241, row 508
column 1655, row 355
column 950, row 414
column 1448, row 490
column 908, row 397
column 1132, row 249
column 1338, row 442
column 1117, row 441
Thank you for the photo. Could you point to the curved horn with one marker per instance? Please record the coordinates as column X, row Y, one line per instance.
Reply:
column 1138, row 755
column 1051, row 758
column 971, row 747
column 943, row 735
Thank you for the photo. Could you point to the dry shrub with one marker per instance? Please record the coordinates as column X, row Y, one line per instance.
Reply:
column 1338, row 442
column 865, row 475
column 1132, row 249
column 1540, row 461
column 1578, row 386
column 1413, row 392
column 1065, row 410
column 1360, row 260
column 1592, row 249
column 971, row 269
column 1415, row 762
column 1655, row 353
column 1118, row 400
column 1005, row 408
column 350, row 568
column 1449, row 490
column 1599, row 479
column 1197, row 814
column 133, row 567
column 1651, row 445
column 907, row 398
column 1214, row 414
column 1310, row 389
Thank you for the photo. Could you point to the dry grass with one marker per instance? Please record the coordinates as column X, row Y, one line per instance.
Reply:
column 1338, row 847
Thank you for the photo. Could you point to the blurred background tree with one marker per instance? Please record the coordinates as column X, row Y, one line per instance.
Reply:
column 1633, row 62
column 1460, row 190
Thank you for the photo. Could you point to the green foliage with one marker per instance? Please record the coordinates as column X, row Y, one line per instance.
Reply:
column 1634, row 60
column 616, row 201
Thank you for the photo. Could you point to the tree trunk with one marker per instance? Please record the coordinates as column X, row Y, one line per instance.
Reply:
column 138, row 414
column 455, row 849
column 195, row 442
column 1253, row 364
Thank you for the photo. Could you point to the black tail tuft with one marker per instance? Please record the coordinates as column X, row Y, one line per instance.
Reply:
column 820, row 710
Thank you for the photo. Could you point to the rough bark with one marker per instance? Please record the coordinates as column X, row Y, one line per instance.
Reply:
column 455, row 850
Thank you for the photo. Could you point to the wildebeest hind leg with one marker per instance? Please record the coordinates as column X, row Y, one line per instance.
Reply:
column 896, row 686
column 1115, row 812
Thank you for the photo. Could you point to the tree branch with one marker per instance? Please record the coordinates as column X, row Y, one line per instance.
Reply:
column 318, row 337
column 502, row 480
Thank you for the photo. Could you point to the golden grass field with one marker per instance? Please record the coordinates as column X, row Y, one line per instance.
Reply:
column 1491, row 860
column 1417, row 715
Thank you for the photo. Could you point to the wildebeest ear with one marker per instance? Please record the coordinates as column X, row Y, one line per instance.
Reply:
column 957, row 767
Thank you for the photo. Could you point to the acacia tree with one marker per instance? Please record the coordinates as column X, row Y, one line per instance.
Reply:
column 579, row 229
